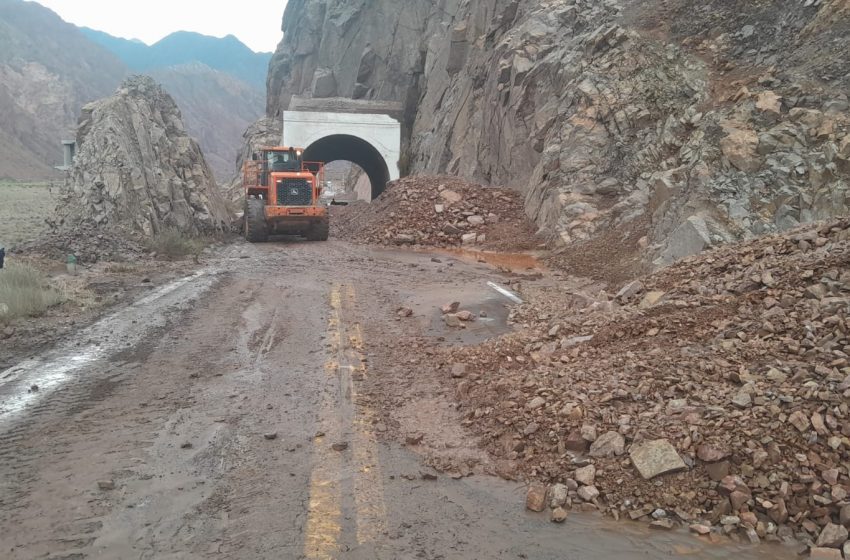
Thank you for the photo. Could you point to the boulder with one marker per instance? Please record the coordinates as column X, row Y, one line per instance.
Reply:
column 656, row 457
column 609, row 444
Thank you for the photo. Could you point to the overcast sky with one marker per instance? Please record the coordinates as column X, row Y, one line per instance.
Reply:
column 255, row 22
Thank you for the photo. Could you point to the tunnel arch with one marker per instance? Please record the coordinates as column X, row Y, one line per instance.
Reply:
column 370, row 140
column 345, row 147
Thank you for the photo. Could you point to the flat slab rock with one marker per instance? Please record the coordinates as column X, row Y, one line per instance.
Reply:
column 653, row 458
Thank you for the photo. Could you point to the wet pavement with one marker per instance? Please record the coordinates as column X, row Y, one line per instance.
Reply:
column 221, row 417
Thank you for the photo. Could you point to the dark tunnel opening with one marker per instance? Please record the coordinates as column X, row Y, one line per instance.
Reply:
column 353, row 149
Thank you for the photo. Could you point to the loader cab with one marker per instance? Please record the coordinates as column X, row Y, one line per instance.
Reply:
column 282, row 160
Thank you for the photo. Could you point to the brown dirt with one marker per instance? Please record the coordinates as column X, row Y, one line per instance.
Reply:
column 767, row 318
column 406, row 214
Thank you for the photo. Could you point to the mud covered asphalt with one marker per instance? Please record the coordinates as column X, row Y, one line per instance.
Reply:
column 219, row 417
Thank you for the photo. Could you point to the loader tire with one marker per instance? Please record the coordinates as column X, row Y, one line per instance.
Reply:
column 319, row 232
column 256, row 229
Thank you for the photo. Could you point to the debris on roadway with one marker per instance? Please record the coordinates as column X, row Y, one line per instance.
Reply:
column 438, row 211
column 713, row 393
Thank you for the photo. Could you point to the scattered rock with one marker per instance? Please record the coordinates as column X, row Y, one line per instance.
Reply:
column 817, row 553
column 609, row 444
column 458, row 370
column 832, row 536
column 535, row 498
column 106, row 484
column 588, row 493
column 340, row 446
column 270, row 435
column 558, row 494
column 559, row 515
column 711, row 453
column 657, row 457
column 465, row 316
column 450, row 307
column 586, row 475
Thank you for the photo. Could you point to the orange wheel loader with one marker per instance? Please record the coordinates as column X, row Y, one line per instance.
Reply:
column 282, row 196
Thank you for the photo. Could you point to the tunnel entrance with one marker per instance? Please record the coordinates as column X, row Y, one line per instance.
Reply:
column 347, row 130
column 345, row 147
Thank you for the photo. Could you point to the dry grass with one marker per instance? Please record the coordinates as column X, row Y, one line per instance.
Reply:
column 25, row 292
column 173, row 244
column 23, row 208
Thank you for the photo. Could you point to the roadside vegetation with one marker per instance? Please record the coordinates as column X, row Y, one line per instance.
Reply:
column 25, row 292
column 173, row 244
column 23, row 208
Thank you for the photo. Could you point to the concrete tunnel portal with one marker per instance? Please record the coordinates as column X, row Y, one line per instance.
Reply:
column 371, row 140
column 356, row 150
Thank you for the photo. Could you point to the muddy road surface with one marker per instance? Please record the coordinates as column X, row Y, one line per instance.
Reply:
column 220, row 416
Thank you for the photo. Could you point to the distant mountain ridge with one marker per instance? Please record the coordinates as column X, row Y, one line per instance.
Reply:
column 227, row 54
column 48, row 70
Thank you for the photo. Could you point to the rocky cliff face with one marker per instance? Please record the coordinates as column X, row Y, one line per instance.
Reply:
column 658, row 127
column 137, row 168
column 216, row 109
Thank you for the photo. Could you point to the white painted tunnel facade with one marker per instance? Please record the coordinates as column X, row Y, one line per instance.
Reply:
column 372, row 141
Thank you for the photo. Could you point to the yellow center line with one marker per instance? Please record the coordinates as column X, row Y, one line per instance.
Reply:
column 324, row 517
column 323, row 531
column 368, row 485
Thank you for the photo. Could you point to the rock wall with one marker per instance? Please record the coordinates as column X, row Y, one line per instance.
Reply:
column 662, row 127
column 137, row 169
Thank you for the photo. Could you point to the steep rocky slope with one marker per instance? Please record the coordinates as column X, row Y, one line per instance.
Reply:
column 137, row 171
column 662, row 127
column 216, row 108
column 48, row 70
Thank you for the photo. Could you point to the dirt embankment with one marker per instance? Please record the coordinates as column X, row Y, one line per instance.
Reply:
column 438, row 211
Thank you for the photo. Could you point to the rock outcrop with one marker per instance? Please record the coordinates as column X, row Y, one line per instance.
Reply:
column 664, row 127
column 216, row 109
column 137, row 169
column 263, row 133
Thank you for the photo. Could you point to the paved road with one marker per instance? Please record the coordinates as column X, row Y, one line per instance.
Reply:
column 224, row 409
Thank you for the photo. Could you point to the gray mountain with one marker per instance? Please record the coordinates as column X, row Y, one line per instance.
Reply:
column 48, row 71
column 227, row 54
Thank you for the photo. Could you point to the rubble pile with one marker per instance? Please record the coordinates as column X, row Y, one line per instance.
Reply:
column 438, row 211
column 136, row 171
column 713, row 393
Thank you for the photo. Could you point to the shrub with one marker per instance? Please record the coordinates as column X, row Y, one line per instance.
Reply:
column 172, row 243
column 25, row 292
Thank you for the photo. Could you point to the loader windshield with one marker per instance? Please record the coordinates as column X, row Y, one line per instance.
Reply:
column 283, row 161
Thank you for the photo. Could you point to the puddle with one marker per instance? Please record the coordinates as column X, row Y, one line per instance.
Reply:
column 514, row 262
column 115, row 332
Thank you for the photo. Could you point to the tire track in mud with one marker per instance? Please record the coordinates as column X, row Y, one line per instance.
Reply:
column 43, row 442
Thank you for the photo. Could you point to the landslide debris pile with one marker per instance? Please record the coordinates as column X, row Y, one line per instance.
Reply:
column 713, row 393
column 438, row 212
column 136, row 173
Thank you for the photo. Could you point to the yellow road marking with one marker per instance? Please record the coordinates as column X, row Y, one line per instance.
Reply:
column 324, row 516
column 324, row 519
